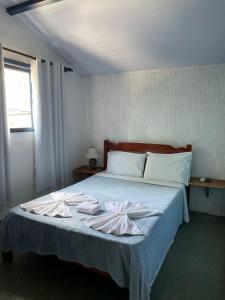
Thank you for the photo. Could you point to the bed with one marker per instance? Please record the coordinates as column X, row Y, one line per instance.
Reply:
column 132, row 261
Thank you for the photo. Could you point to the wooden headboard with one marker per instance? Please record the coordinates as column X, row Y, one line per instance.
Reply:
column 141, row 148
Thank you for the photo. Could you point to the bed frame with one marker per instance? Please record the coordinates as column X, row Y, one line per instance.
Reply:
column 141, row 148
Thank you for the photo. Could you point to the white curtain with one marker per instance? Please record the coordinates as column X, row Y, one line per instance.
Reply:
column 4, row 142
column 49, row 145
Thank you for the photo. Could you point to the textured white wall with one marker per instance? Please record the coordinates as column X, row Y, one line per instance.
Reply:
column 174, row 106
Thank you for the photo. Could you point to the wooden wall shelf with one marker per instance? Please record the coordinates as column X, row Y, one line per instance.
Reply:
column 214, row 184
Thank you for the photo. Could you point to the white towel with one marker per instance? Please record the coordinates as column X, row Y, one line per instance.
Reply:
column 56, row 204
column 117, row 219
column 88, row 207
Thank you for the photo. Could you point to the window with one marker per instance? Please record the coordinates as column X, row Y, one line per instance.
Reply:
column 18, row 95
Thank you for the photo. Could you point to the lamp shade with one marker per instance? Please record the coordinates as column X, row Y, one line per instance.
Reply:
column 92, row 153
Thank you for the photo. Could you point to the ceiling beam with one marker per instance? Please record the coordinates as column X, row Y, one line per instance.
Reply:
column 28, row 5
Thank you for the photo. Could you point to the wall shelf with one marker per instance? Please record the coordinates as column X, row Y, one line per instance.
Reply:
column 214, row 184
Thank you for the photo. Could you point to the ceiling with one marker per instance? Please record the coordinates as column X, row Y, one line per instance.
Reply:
column 108, row 36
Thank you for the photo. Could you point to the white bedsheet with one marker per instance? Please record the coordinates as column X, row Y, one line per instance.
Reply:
column 154, row 182
column 132, row 261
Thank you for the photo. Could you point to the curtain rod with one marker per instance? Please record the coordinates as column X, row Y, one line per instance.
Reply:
column 66, row 69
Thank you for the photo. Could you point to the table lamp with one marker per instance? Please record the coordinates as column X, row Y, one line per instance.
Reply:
column 92, row 155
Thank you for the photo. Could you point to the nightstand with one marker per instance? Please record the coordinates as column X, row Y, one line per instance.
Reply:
column 83, row 172
column 214, row 184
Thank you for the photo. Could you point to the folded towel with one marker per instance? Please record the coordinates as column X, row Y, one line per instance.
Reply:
column 88, row 207
column 56, row 204
column 117, row 219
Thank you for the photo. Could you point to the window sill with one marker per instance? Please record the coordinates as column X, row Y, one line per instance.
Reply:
column 16, row 130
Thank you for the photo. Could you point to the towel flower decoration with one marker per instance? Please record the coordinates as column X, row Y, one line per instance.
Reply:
column 56, row 204
column 118, row 218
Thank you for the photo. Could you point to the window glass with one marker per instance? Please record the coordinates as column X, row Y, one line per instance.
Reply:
column 18, row 96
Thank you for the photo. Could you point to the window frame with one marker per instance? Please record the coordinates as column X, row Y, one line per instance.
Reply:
column 23, row 67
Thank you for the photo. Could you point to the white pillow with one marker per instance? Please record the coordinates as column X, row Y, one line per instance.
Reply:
column 174, row 167
column 126, row 163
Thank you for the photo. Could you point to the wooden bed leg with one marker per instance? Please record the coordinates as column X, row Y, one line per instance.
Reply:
column 7, row 257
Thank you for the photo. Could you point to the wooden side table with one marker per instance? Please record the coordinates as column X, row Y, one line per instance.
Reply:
column 83, row 172
column 214, row 184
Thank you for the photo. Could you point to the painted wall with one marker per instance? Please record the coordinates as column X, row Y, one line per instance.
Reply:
column 14, row 34
column 75, row 124
column 174, row 106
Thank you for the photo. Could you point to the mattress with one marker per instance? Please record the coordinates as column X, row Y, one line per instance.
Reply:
column 132, row 261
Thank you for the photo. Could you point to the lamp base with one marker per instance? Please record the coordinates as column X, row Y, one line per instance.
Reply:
column 92, row 163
